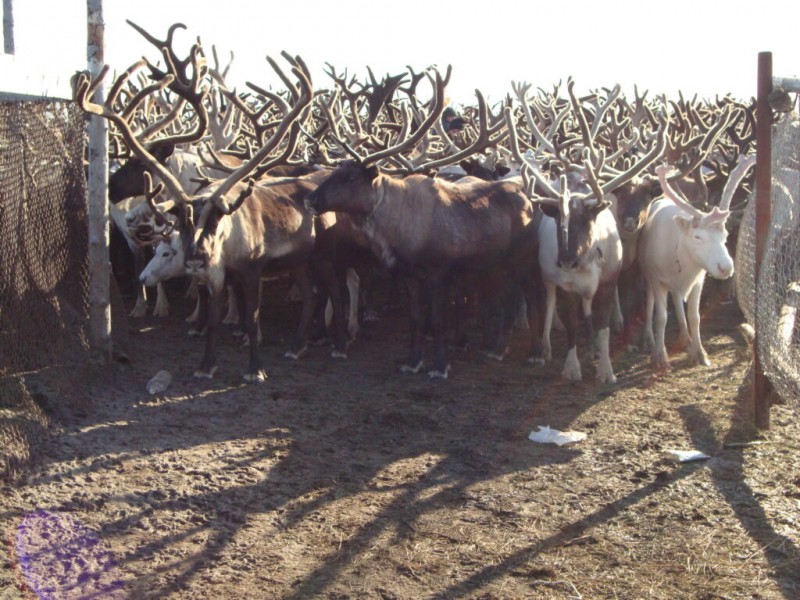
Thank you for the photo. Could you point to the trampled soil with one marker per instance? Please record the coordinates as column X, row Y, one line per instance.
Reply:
column 348, row 479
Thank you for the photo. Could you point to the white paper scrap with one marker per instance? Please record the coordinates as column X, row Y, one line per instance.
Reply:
column 686, row 455
column 546, row 435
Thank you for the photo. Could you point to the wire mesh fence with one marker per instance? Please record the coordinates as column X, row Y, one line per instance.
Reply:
column 43, row 261
column 771, row 304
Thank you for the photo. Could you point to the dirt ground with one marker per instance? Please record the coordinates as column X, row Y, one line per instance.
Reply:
column 348, row 479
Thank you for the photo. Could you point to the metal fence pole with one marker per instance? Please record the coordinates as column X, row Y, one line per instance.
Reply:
column 761, row 387
column 97, row 183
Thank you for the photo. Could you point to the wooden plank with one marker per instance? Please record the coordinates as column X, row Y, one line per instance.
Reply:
column 787, row 84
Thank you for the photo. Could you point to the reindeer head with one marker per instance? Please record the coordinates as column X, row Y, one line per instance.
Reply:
column 632, row 203
column 167, row 262
column 704, row 234
column 576, row 226
column 348, row 189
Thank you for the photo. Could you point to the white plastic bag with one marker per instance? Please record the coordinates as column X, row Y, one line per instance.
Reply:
column 685, row 455
column 159, row 382
column 545, row 435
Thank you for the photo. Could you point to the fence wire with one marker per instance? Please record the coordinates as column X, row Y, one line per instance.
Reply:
column 771, row 304
column 43, row 261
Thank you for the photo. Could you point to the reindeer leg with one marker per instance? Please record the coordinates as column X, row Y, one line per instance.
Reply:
column 550, row 309
column 232, row 317
column 162, row 303
column 602, row 318
column 659, row 357
column 200, row 326
column 617, row 320
column 461, row 304
column 251, row 301
column 341, row 329
column 572, row 366
column 414, row 362
column 208, row 366
column 684, row 339
column 192, row 292
column 696, row 351
column 497, row 301
column 438, row 298
column 140, row 308
column 648, row 341
column 534, row 298
column 302, row 280
column 353, row 284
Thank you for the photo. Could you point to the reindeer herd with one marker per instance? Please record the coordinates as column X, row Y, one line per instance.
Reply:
column 588, row 210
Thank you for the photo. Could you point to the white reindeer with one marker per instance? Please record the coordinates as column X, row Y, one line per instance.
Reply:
column 678, row 246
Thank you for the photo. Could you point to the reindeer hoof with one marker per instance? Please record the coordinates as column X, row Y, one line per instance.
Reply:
column 338, row 354
column 439, row 374
column 701, row 360
column 606, row 378
column 296, row 354
column 660, row 363
column 412, row 368
column 537, row 361
column 257, row 377
column 197, row 332
column 498, row 356
column 138, row 311
column 200, row 374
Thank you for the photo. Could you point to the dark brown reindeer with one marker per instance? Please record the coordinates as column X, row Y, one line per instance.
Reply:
column 428, row 228
column 235, row 228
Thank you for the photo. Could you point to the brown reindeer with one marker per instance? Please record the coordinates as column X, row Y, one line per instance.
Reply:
column 428, row 228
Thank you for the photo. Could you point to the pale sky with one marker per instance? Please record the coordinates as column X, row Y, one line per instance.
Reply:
column 697, row 47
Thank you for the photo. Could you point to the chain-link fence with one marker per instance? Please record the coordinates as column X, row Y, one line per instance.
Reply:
column 771, row 304
column 43, row 263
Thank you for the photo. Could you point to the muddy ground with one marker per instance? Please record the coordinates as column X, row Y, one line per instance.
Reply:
column 347, row 479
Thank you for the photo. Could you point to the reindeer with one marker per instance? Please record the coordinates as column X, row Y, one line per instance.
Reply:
column 181, row 154
column 429, row 229
column 686, row 147
column 580, row 252
column 678, row 246
column 229, row 228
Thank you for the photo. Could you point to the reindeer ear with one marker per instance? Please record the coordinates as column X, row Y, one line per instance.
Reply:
column 600, row 206
column 684, row 222
column 550, row 210
column 189, row 212
column 371, row 172
column 164, row 152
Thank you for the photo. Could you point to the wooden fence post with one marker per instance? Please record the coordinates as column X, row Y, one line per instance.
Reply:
column 97, row 183
column 761, row 387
